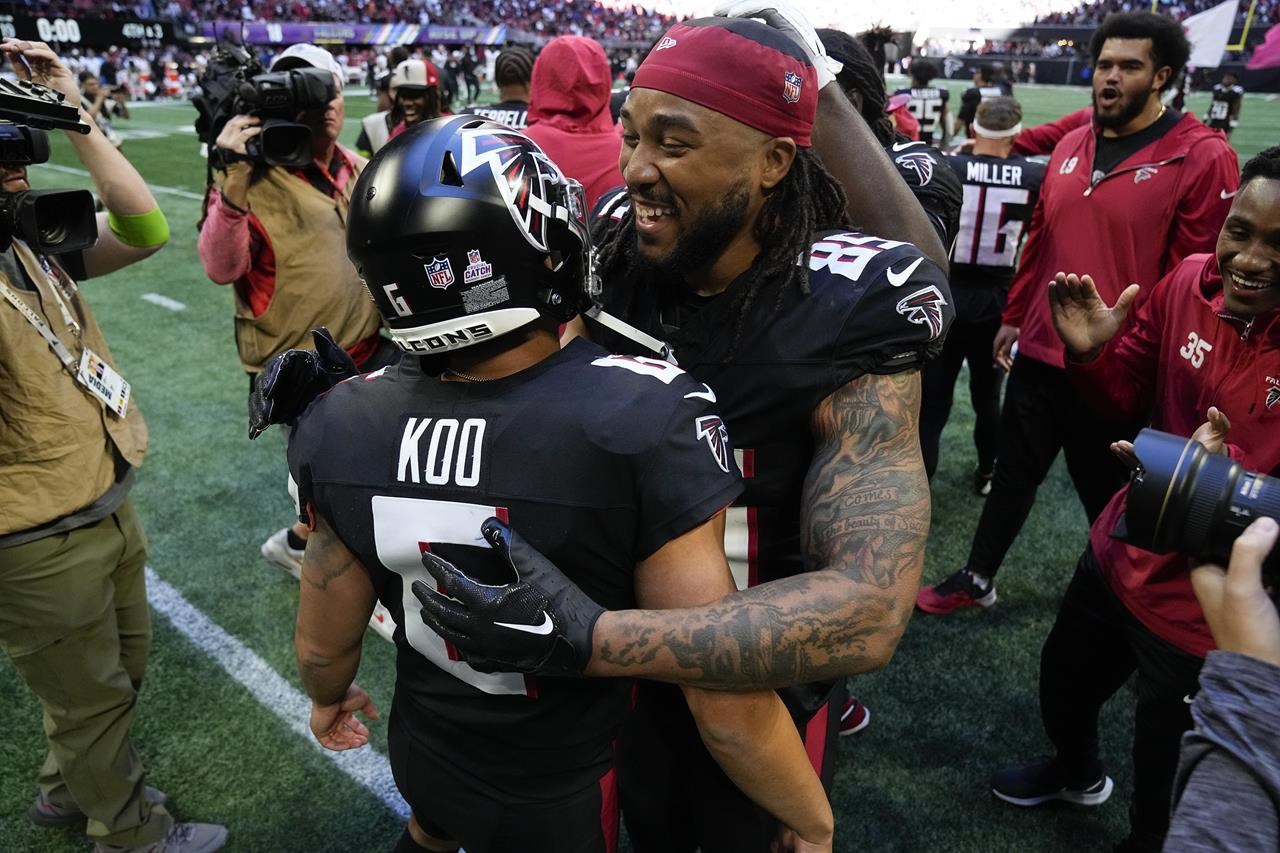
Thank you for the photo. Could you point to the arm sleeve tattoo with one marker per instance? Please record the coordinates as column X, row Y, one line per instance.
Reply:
column 865, row 524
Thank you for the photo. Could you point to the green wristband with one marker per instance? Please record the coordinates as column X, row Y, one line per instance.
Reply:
column 142, row 230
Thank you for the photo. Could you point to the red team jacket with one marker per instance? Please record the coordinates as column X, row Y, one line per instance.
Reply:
column 1180, row 356
column 1165, row 202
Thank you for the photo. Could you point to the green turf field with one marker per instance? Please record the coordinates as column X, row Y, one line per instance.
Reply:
column 958, row 701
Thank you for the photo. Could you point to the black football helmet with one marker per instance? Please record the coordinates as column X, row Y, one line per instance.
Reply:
column 451, row 228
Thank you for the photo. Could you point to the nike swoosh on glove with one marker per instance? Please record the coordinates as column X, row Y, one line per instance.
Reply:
column 294, row 378
column 784, row 17
column 542, row 622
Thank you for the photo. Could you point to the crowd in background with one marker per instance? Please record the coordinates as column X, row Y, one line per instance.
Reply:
column 1090, row 14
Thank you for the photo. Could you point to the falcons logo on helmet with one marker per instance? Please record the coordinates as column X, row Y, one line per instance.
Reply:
column 918, row 162
column 523, row 174
column 1273, row 396
column 713, row 430
column 924, row 308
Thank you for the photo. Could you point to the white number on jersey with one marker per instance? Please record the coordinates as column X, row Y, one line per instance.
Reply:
column 402, row 528
column 663, row 371
column 1194, row 349
column 928, row 111
column 986, row 238
column 847, row 254
column 1218, row 110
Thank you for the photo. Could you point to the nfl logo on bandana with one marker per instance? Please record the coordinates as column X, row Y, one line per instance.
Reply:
column 791, row 86
column 439, row 273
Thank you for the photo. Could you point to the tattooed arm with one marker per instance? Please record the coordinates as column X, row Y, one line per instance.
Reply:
column 334, row 605
column 866, row 520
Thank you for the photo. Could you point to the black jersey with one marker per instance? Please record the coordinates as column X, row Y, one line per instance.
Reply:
column 598, row 460
column 1224, row 106
column 975, row 95
column 874, row 306
column 927, row 104
column 999, row 196
column 514, row 114
column 924, row 169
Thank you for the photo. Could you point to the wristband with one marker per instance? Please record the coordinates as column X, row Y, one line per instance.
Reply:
column 142, row 230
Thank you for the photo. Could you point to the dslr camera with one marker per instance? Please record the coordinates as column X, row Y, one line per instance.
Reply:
column 1183, row 499
column 49, row 221
column 235, row 83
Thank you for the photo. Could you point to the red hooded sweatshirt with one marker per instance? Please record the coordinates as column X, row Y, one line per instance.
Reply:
column 1181, row 355
column 1167, row 201
column 569, row 113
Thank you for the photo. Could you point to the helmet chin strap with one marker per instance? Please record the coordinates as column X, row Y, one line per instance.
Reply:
column 660, row 349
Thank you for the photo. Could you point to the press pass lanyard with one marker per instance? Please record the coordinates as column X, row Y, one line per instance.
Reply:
column 59, row 349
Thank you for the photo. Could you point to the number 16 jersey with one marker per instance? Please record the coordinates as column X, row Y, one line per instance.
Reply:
column 999, row 195
column 598, row 460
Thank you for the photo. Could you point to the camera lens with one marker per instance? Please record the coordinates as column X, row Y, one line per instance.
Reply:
column 1184, row 499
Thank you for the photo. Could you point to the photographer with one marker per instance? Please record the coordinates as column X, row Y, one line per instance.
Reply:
column 1228, row 787
column 104, row 105
column 278, row 235
column 1207, row 337
column 74, row 620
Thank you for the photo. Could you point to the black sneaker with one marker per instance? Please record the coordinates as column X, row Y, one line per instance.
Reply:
column 1040, row 783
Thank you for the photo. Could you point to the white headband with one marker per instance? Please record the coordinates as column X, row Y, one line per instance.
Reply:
column 996, row 134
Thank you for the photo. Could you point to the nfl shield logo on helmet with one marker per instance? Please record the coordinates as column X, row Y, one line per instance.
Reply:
column 439, row 272
column 791, row 84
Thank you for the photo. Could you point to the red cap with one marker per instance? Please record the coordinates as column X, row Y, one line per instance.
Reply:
column 741, row 68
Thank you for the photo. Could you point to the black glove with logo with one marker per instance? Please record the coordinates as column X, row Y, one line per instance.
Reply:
column 541, row 622
column 294, row 378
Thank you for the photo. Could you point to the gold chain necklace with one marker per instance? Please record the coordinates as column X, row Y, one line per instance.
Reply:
column 467, row 377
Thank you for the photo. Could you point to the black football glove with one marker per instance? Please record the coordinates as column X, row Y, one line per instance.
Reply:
column 541, row 622
column 294, row 378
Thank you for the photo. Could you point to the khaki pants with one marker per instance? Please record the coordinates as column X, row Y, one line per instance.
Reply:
column 74, row 621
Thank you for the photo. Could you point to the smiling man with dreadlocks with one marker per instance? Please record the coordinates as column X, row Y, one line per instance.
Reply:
column 731, row 250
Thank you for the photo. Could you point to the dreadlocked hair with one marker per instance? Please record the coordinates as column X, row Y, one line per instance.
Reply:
column 806, row 201
column 861, row 74
column 875, row 39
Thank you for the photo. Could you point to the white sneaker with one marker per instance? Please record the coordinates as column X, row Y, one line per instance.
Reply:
column 276, row 551
column 181, row 838
column 381, row 622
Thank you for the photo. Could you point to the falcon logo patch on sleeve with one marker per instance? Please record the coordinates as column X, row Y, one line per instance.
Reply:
column 711, row 429
column 924, row 308
column 1273, row 397
column 918, row 162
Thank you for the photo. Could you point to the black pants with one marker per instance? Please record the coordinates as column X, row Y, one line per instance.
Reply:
column 674, row 796
column 970, row 339
column 1042, row 415
column 1095, row 645
column 449, row 805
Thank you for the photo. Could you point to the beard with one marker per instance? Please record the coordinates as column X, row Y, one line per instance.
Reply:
column 1130, row 109
column 704, row 240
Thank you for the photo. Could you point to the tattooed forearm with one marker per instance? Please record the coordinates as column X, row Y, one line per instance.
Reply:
column 866, row 499
column 866, row 520
column 789, row 631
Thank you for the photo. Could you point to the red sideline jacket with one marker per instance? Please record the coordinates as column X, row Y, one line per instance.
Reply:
column 1180, row 356
column 1165, row 202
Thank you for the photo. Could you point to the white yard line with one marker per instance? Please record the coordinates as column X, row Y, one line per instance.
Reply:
column 164, row 301
column 155, row 188
column 366, row 767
